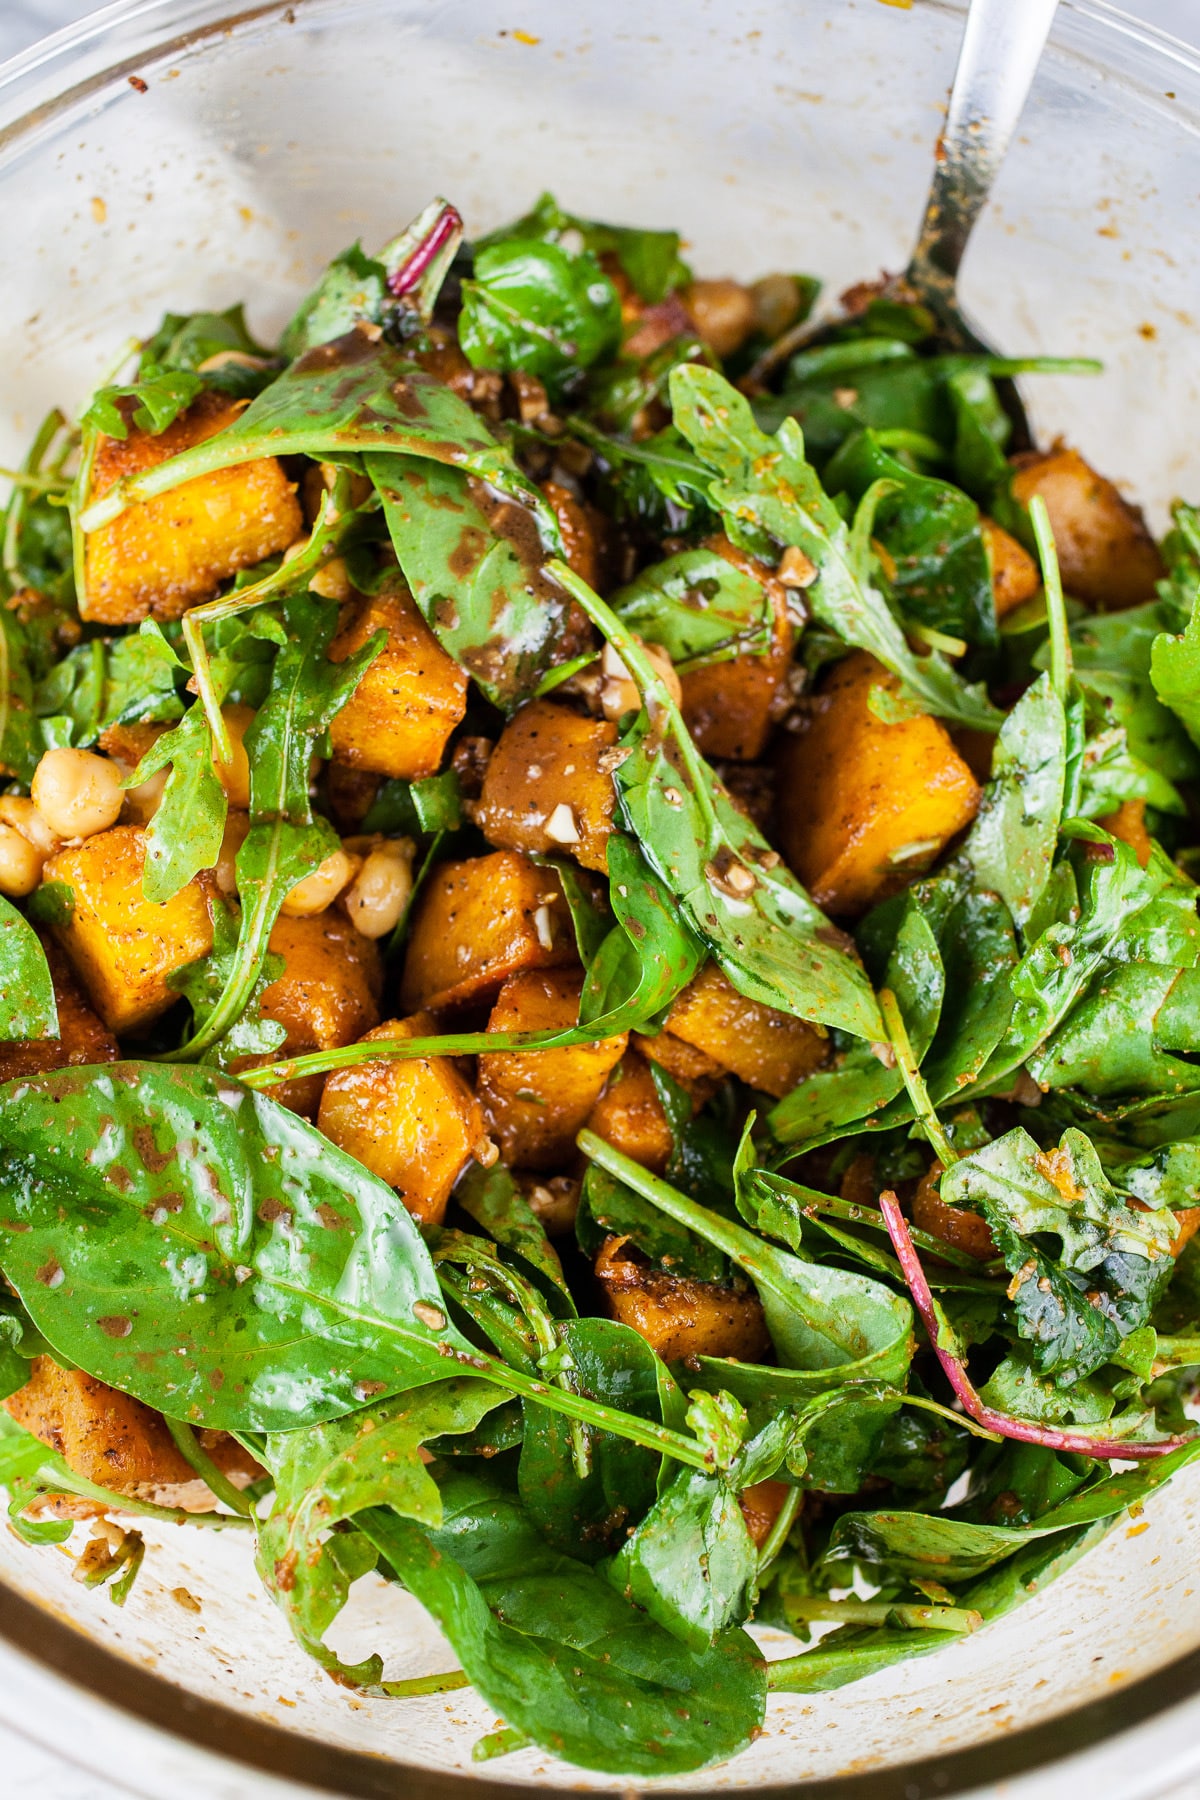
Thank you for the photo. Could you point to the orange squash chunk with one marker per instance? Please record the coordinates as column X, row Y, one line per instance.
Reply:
column 326, row 996
column 1129, row 824
column 121, row 945
column 414, row 1123
column 1107, row 557
column 161, row 556
column 765, row 1048
column 629, row 1115
column 954, row 1225
column 479, row 922
column 865, row 806
column 1015, row 576
column 679, row 1317
column 535, row 1101
column 410, row 698
column 547, row 788
column 729, row 706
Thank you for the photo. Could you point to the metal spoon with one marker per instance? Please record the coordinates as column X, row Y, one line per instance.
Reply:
column 1001, row 48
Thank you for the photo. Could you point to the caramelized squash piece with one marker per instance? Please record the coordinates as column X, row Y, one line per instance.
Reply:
column 679, row 1317
column 761, row 1505
column 121, row 945
column 865, row 806
column 690, row 1067
column 1107, row 557
column 629, row 1115
column 326, row 996
column 581, row 526
column 547, row 786
column 114, row 1440
column 1015, row 575
column 161, row 556
column 1129, row 824
column 478, row 922
column 81, row 1040
column 954, row 1225
column 767, row 1049
column 414, row 1123
column 535, row 1101
column 410, row 698
column 729, row 706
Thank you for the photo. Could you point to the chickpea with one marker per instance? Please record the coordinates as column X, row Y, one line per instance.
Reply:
column 723, row 312
column 237, row 825
column 20, row 863
column 234, row 775
column 320, row 889
column 23, row 816
column 332, row 580
column 77, row 793
column 376, row 900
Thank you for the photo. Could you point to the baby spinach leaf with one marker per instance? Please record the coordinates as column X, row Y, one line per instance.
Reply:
column 474, row 563
column 286, row 841
column 536, row 307
column 186, row 340
column 401, row 281
column 560, row 1655
column 818, row 1317
column 585, row 1514
column 607, row 1208
column 208, row 1251
column 1073, row 1310
column 21, row 738
column 1012, row 842
column 184, row 836
column 350, row 395
column 493, row 1200
column 978, row 948
column 691, row 1563
column 766, row 483
column 649, row 956
column 656, row 482
column 202, row 984
column 769, row 938
column 1112, row 656
column 325, row 1474
column 931, row 532
column 1175, row 661
column 27, row 1005
column 159, row 395
column 699, row 607
column 649, row 258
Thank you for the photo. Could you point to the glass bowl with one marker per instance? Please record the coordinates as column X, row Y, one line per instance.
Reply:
column 173, row 154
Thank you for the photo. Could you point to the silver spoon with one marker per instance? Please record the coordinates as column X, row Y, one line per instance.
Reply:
column 998, row 59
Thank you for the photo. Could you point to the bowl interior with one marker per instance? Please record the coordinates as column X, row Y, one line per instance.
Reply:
column 775, row 137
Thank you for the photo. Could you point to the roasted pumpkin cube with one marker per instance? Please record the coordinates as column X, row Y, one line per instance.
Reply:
column 410, row 698
column 477, row 923
column 549, row 786
column 761, row 1505
column 161, row 556
column 679, row 1317
column 630, row 1116
column 1015, row 575
column 691, row 1068
column 327, row 995
column 729, row 706
column 81, row 1040
column 413, row 1122
column 1107, row 557
column 535, row 1101
column 865, row 806
column 112, row 1439
column 765, row 1048
column 121, row 945
column 582, row 528
column 1129, row 824
column 954, row 1225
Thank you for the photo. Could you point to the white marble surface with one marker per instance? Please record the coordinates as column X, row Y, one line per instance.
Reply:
column 26, row 1768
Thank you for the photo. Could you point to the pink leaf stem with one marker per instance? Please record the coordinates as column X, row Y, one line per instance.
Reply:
column 1103, row 1449
column 409, row 275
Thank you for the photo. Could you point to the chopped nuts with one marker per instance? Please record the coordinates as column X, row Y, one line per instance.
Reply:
column 561, row 827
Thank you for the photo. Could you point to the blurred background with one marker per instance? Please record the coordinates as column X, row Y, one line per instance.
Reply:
column 22, row 22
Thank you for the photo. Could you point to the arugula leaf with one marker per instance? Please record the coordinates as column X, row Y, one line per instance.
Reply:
column 208, row 1251
column 28, row 1008
column 766, row 484
column 558, row 1654
column 1073, row 1310
column 536, row 307
column 1175, row 661
column 699, row 607
column 159, row 395
column 109, row 682
column 286, row 841
column 186, row 340
column 939, row 573
column 325, row 1474
column 493, row 1200
column 474, row 564
column 202, row 984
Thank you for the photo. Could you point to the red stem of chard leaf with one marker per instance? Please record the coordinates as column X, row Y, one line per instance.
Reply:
column 409, row 275
column 1024, row 1430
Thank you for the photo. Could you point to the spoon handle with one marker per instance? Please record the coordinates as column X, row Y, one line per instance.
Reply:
column 1001, row 48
